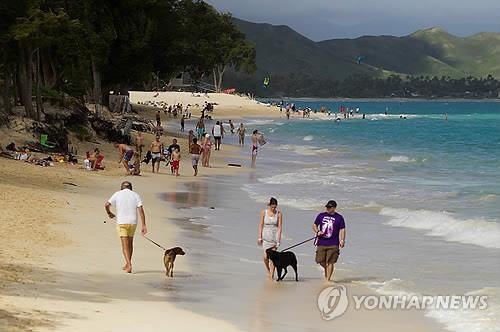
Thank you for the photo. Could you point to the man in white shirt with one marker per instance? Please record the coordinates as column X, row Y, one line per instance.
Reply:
column 128, row 205
column 218, row 134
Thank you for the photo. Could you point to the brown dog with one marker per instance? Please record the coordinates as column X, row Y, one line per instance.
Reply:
column 169, row 259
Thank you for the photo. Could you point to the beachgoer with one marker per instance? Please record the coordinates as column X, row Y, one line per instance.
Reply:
column 200, row 128
column 218, row 133
column 287, row 113
column 195, row 151
column 270, row 229
column 127, row 204
column 156, row 149
column 126, row 154
column 182, row 123
column 241, row 134
column 329, row 228
column 158, row 119
column 255, row 144
column 96, row 160
column 231, row 125
column 190, row 138
column 137, row 164
column 207, row 149
column 139, row 143
column 173, row 146
column 176, row 160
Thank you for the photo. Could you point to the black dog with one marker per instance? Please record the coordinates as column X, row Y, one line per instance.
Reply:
column 282, row 260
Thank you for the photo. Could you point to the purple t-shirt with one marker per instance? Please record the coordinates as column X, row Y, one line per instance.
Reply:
column 330, row 225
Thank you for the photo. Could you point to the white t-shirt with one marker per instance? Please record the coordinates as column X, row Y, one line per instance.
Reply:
column 126, row 203
column 217, row 131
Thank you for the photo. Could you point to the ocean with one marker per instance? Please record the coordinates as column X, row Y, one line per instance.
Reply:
column 419, row 188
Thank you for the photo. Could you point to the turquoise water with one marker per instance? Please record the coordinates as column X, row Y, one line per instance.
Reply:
column 448, row 169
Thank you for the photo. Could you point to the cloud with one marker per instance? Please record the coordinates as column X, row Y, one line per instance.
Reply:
column 323, row 19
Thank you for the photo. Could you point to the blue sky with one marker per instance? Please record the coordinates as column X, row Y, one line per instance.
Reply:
column 325, row 19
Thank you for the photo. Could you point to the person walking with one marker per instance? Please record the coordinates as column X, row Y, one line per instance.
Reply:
column 128, row 205
column 156, row 149
column 270, row 229
column 195, row 150
column 329, row 228
column 218, row 134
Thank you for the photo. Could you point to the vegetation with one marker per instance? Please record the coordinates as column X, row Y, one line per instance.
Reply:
column 425, row 62
column 52, row 49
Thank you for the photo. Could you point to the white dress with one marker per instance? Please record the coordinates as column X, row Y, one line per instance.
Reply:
column 270, row 231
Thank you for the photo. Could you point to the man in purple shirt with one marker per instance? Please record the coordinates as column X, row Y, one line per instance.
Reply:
column 329, row 228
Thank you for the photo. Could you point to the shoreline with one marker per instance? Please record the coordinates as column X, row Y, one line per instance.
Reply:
column 80, row 286
column 450, row 100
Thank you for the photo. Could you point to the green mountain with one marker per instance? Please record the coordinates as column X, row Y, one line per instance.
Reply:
column 297, row 65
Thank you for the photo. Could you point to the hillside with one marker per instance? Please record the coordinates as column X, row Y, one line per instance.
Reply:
column 297, row 65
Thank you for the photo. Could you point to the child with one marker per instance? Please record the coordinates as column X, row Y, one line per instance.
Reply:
column 176, row 160
column 137, row 164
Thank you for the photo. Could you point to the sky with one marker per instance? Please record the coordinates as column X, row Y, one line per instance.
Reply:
column 327, row 19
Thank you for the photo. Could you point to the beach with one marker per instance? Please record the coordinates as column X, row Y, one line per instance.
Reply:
column 61, row 263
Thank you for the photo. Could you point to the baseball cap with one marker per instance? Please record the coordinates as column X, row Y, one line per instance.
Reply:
column 331, row 204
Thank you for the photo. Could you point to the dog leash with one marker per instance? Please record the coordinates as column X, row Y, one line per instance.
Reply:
column 153, row 242
column 298, row 244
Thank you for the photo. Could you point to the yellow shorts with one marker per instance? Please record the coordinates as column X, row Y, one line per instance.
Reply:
column 126, row 229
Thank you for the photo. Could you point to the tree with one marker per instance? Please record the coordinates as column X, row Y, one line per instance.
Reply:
column 231, row 50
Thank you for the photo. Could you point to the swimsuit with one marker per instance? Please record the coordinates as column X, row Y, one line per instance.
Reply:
column 175, row 164
column 254, row 150
column 195, row 158
column 128, row 155
column 155, row 156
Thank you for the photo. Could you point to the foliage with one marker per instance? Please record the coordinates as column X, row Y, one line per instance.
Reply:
column 89, row 47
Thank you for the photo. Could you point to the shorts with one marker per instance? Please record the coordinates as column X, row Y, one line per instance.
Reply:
column 128, row 155
column 195, row 158
column 175, row 164
column 254, row 150
column 217, row 139
column 155, row 156
column 327, row 254
column 200, row 131
column 126, row 229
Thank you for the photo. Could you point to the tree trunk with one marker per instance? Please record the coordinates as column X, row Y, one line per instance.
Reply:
column 49, row 77
column 39, row 103
column 6, row 90
column 215, row 80
column 97, row 91
column 26, row 79
column 221, row 75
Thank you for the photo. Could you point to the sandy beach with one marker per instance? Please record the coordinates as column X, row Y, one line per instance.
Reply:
column 60, row 263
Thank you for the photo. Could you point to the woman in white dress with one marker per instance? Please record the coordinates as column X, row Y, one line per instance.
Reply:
column 270, row 229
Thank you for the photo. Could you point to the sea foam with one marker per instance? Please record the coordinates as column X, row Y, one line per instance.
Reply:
column 479, row 232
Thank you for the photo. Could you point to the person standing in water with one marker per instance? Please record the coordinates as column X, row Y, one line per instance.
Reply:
column 241, row 134
column 255, row 146
column 329, row 228
column 270, row 229
column 231, row 125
